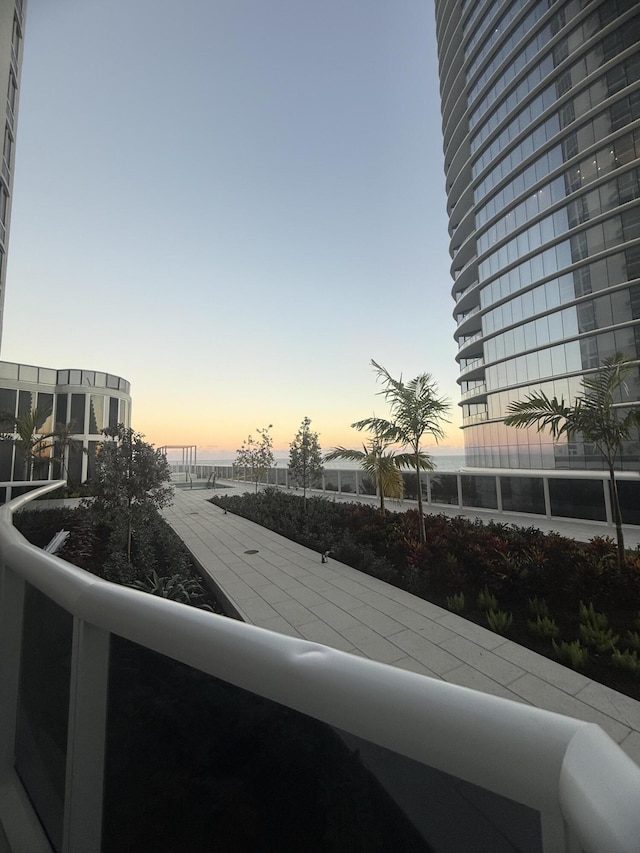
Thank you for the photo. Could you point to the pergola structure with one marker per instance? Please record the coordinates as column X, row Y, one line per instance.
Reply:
column 189, row 455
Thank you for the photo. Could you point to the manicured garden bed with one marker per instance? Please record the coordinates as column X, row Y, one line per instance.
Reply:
column 160, row 563
column 531, row 585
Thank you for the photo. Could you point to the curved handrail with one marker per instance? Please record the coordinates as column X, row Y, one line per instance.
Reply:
column 547, row 761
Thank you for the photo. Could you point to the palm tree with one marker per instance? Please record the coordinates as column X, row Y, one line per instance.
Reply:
column 32, row 444
column 382, row 464
column 64, row 441
column 416, row 410
column 596, row 416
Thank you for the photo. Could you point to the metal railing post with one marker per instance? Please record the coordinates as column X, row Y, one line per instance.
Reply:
column 86, row 739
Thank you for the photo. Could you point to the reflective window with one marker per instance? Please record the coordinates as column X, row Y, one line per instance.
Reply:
column 61, row 408
column 77, row 412
column 96, row 414
column 45, row 404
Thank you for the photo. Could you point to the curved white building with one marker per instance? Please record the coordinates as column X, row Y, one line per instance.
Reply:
column 81, row 403
column 541, row 122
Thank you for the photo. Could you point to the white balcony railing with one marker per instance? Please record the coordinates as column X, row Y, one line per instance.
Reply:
column 584, row 788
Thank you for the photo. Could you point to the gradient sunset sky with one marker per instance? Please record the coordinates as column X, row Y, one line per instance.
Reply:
column 235, row 204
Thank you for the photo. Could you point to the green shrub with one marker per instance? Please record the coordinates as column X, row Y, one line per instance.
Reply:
column 632, row 640
column 499, row 621
column 571, row 654
column 539, row 607
column 455, row 603
column 595, row 630
column 487, row 601
column 591, row 618
column 627, row 660
column 177, row 587
column 601, row 641
column 544, row 626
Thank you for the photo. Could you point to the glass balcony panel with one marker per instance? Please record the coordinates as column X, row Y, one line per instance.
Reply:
column 522, row 494
column 577, row 498
column 479, row 491
column 192, row 760
column 41, row 739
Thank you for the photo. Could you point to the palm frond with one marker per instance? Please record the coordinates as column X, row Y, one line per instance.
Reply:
column 345, row 453
column 542, row 412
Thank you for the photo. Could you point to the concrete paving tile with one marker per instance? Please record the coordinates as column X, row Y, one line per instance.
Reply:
column 334, row 616
column 254, row 579
column 349, row 585
column 320, row 632
column 631, row 745
column 294, row 612
column 423, row 625
column 412, row 665
column 380, row 623
column 273, row 594
column 239, row 590
column 280, row 626
column 318, row 584
column 476, row 633
column 304, row 595
column 544, row 695
column 372, row 644
column 610, row 702
column 284, row 581
column 294, row 571
column 385, row 605
column 255, row 609
column 468, row 676
column 495, row 667
column 428, row 654
column 548, row 670
column 342, row 599
column 426, row 608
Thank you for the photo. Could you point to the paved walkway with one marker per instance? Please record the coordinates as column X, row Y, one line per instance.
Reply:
column 277, row 584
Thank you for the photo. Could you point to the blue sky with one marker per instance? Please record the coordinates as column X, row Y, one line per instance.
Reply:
column 235, row 205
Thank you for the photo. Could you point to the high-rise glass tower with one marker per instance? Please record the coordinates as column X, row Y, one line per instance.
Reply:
column 541, row 122
column 11, row 27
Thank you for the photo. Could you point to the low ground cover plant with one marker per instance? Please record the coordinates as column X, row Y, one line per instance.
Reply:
column 564, row 599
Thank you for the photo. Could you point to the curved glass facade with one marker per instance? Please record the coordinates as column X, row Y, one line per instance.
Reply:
column 541, row 120
column 83, row 401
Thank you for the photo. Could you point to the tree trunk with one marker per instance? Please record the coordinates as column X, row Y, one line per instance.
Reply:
column 617, row 516
column 380, row 486
column 423, row 531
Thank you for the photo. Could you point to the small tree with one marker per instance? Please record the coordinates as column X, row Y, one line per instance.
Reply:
column 131, row 482
column 256, row 454
column 305, row 458
column 596, row 416
column 380, row 462
column 416, row 411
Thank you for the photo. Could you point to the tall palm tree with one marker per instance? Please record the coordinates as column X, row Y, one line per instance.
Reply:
column 416, row 411
column 596, row 416
column 32, row 444
column 380, row 462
